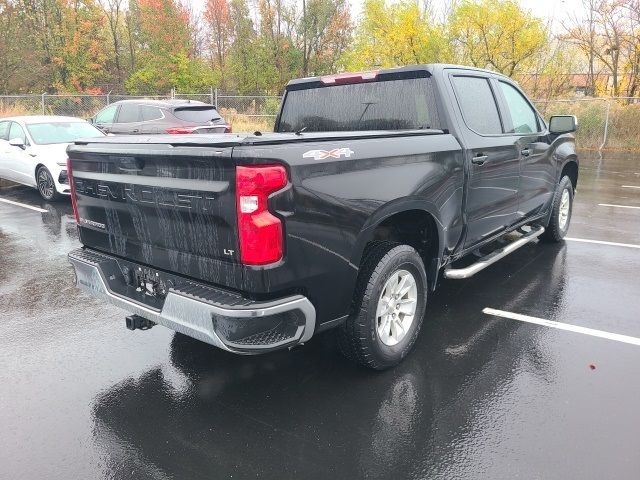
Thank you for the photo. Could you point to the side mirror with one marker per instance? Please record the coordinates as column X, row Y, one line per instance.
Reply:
column 17, row 142
column 91, row 120
column 559, row 124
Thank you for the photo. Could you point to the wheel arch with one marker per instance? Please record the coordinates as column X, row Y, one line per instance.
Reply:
column 410, row 222
column 35, row 170
column 570, row 168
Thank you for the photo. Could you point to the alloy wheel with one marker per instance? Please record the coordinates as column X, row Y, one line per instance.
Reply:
column 396, row 307
column 46, row 187
column 565, row 208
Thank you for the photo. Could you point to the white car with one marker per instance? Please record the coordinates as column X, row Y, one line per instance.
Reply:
column 33, row 150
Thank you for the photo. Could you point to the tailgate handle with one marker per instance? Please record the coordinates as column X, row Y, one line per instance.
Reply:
column 130, row 164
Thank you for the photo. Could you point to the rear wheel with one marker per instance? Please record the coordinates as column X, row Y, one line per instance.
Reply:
column 46, row 185
column 561, row 209
column 389, row 305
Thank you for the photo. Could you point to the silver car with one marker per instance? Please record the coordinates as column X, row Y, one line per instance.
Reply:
column 132, row 117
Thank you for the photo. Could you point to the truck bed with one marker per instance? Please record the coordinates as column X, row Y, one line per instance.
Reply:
column 168, row 202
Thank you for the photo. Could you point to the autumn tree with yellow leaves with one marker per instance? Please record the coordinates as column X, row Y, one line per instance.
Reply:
column 497, row 34
column 392, row 34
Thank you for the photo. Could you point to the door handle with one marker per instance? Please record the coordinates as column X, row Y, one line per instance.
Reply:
column 479, row 159
column 525, row 152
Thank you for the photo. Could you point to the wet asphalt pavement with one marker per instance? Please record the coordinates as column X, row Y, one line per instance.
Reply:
column 480, row 396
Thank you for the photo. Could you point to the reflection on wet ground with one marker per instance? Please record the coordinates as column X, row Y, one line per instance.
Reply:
column 480, row 397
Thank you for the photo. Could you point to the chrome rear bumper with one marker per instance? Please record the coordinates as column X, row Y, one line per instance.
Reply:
column 220, row 318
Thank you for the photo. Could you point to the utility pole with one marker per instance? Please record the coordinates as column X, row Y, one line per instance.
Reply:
column 305, row 61
column 591, row 89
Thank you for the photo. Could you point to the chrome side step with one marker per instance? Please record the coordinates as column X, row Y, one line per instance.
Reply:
column 493, row 257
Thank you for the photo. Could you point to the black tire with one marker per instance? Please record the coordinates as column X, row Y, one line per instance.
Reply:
column 556, row 230
column 358, row 337
column 45, row 184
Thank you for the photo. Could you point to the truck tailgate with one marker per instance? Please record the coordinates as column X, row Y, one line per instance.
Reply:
column 171, row 207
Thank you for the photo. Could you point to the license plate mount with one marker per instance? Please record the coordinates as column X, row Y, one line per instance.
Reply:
column 150, row 283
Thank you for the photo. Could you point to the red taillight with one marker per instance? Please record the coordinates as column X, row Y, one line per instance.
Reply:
column 346, row 78
column 74, row 202
column 259, row 231
column 227, row 128
column 180, row 130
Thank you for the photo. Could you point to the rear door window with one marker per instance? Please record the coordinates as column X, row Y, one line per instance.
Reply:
column 395, row 104
column 129, row 113
column 204, row 114
column 478, row 105
column 148, row 113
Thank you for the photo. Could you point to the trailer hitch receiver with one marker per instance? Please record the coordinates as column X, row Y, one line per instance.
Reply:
column 136, row 322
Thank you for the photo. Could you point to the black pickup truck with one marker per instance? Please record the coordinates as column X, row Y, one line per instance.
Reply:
column 372, row 186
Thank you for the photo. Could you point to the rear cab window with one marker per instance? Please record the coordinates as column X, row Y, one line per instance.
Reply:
column 390, row 102
column 200, row 114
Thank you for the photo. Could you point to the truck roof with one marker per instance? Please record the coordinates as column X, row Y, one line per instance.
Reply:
column 431, row 68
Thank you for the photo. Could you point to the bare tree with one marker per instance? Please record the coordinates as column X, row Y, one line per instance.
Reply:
column 114, row 12
column 632, row 44
column 601, row 36
column 196, row 28
column 582, row 33
column 614, row 25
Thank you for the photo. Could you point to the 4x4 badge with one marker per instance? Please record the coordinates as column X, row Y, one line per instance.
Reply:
column 322, row 154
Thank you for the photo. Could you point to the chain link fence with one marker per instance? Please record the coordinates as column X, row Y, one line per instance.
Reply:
column 603, row 123
column 244, row 112
column 611, row 123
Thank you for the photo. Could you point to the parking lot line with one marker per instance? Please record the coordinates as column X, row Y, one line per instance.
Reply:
column 602, row 242
column 563, row 326
column 630, row 186
column 30, row 207
column 617, row 206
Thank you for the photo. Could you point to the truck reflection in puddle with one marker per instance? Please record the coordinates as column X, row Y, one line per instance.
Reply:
column 310, row 414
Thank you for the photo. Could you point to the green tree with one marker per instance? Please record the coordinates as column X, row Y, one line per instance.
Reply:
column 163, row 50
column 81, row 58
column 324, row 34
column 68, row 37
column 20, row 66
column 277, row 25
column 249, row 61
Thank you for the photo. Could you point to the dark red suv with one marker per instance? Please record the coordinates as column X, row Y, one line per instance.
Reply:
column 159, row 116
